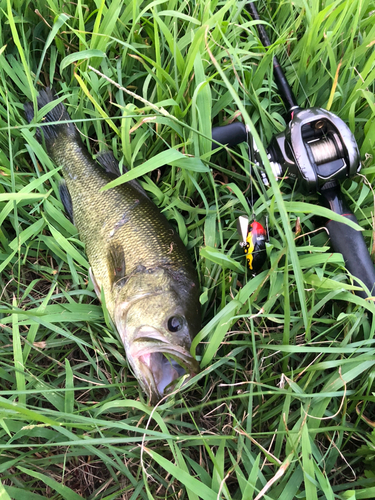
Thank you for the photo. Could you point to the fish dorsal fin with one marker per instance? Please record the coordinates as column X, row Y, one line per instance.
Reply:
column 66, row 200
column 112, row 167
column 116, row 264
column 109, row 163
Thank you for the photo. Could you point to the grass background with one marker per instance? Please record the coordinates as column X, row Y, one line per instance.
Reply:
column 284, row 405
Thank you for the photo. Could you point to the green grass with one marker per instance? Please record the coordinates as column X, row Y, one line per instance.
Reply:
column 283, row 407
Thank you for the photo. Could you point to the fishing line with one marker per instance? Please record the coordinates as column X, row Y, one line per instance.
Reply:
column 328, row 147
column 251, row 172
column 251, row 8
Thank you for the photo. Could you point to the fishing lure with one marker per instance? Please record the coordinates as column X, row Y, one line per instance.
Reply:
column 253, row 242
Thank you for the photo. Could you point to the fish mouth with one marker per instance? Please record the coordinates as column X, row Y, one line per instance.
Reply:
column 160, row 362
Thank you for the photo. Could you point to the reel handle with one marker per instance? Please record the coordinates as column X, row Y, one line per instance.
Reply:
column 348, row 241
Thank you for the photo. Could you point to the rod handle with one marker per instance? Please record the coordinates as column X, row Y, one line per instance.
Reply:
column 349, row 242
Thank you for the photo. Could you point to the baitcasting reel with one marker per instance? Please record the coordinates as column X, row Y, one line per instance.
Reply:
column 317, row 147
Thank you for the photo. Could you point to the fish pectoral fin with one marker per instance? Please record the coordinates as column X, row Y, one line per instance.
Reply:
column 116, row 264
column 95, row 283
column 66, row 200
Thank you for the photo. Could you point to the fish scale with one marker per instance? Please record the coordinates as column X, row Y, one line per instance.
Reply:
column 150, row 285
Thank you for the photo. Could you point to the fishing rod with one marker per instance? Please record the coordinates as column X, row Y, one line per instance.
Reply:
column 317, row 150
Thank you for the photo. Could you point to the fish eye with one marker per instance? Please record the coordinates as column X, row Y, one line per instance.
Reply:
column 175, row 323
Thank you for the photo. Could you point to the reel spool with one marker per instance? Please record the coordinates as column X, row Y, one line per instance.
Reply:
column 327, row 149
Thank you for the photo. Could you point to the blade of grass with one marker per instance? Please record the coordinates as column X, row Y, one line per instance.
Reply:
column 18, row 358
column 62, row 490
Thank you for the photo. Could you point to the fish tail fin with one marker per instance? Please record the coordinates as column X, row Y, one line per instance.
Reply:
column 51, row 128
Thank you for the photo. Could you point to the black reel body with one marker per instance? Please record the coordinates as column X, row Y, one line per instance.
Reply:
column 317, row 147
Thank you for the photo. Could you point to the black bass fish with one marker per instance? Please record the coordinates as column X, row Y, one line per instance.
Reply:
column 149, row 283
